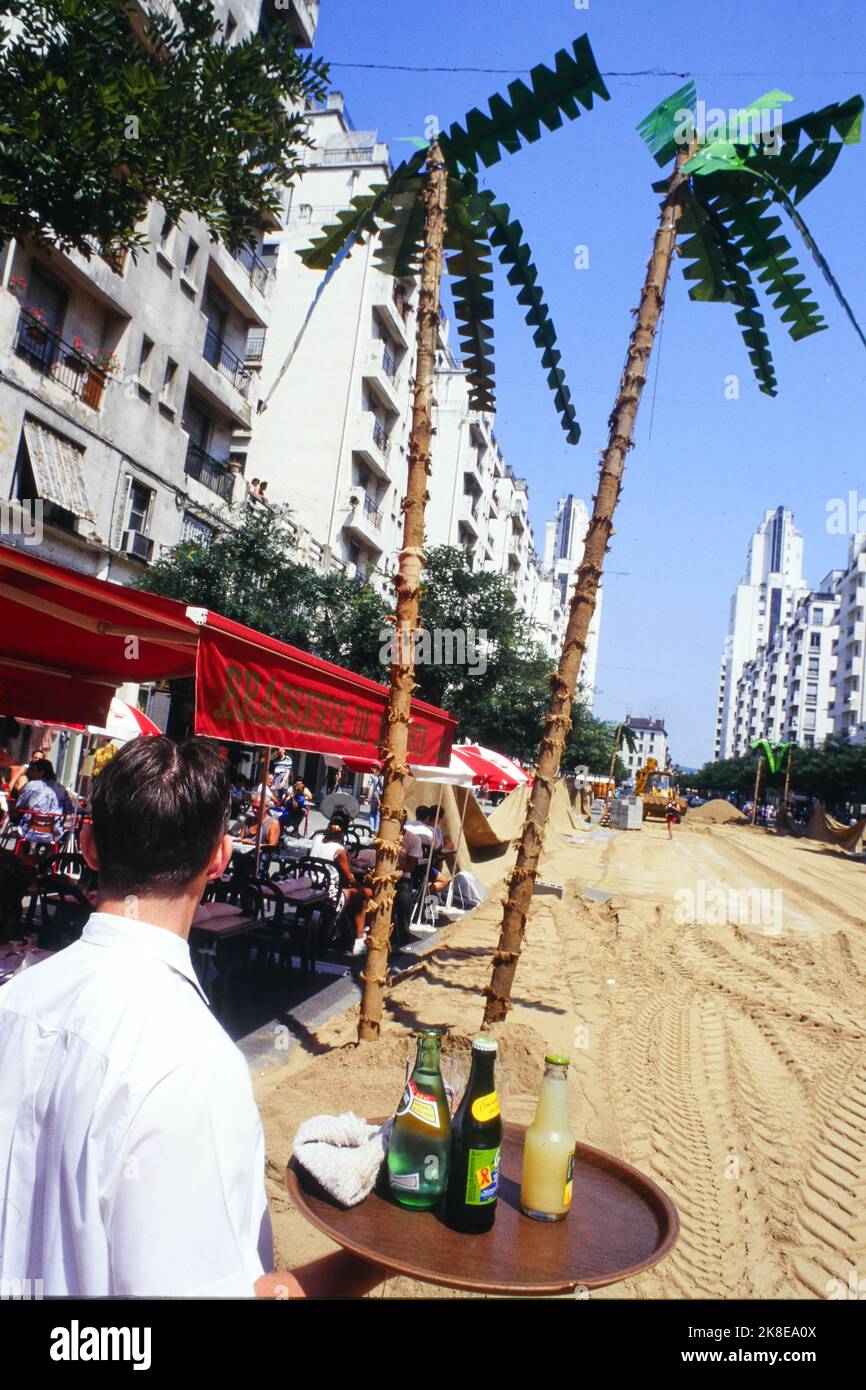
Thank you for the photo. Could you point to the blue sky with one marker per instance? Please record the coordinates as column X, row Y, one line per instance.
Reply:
column 705, row 467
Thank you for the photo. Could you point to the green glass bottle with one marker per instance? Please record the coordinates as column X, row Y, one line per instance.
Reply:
column 470, row 1201
column 420, row 1147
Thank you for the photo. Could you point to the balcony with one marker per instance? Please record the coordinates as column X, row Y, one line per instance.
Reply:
column 60, row 361
column 365, row 520
column 227, row 362
column 255, row 267
column 212, row 473
column 381, row 374
column 255, row 349
column 392, row 307
column 344, row 154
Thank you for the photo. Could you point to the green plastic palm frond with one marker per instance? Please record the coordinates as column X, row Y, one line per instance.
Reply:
column 749, row 217
column 722, row 274
column 573, row 84
column 469, row 259
column 663, row 130
column 360, row 218
column 507, row 236
column 402, row 231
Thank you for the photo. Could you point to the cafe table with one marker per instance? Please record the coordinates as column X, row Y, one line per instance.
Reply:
column 620, row 1225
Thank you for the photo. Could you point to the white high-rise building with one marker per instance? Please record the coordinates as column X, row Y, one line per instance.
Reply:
column 765, row 599
column 564, row 536
column 650, row 741
column 849, row 705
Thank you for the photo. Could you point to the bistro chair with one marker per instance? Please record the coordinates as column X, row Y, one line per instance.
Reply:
column 311, row 902
column 363, row 833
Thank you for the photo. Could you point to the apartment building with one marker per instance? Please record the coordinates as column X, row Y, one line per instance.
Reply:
column 565, row 534
column 128, row 387
column 765, row 598
column 849, row 695
column 650, row 741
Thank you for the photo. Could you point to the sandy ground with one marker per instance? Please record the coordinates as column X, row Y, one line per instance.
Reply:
column 718, row 1043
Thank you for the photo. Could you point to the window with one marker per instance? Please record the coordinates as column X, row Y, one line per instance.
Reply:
column 138, row 506
column 814, row 663
column 815, row 640
column 817, row 616
column 145, row 365
column 189, row 259
column 196, row 530
column 169, row 383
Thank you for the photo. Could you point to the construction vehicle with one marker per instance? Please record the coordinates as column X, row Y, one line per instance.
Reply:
column 656, row 798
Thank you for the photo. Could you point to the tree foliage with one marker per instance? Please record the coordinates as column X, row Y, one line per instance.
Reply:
column 834, row 772
column 246, row 574
column 103, row 111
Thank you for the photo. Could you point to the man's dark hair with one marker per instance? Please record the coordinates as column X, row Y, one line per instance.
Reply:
column 423, row 813
column 159, row 811
column 41, row 770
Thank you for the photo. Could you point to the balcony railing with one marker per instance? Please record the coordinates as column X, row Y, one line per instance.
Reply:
column 372, row 511
column 345, row 155
column 225, row 361
column 389, row 366
column 382, row 438
column 254, row 266
column 49, row 354
column 255, row 349
column 213, row 473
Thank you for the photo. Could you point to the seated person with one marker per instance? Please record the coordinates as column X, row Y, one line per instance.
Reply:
column 410, row 857
column 270, row 827
column 332, row 848
column 43, row 795
column 297, row 807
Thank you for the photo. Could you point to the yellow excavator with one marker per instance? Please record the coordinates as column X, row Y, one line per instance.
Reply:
column 655, row 799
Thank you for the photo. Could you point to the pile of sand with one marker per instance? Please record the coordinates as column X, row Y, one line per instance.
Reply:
column 715, row 813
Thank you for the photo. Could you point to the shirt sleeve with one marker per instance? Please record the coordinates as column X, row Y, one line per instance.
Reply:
column 187, row 1213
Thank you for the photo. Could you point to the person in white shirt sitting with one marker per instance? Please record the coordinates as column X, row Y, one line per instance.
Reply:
column 131, row 1150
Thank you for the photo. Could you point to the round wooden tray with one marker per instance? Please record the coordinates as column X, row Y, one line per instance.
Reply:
column 620, row 1223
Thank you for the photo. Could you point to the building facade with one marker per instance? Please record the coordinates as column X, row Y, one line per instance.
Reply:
column 650, row 741
column 765, row 598
column 128, row 387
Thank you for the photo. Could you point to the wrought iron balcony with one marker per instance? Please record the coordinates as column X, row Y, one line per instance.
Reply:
column 220, row 356
column 382, row 438
column 254, row 266
column 372, row 511
column 213, row 473
column 256, row 345
column 61, row 361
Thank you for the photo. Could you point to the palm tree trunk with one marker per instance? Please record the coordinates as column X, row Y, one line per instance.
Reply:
column 407, row 584
column 558, row 721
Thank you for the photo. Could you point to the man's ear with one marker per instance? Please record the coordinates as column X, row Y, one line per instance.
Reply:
column 88, row 847
column 221, row 856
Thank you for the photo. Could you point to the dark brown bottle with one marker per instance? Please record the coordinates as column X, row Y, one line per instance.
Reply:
column 470, row 1198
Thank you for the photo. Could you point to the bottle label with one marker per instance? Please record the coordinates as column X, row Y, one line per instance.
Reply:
column 418, row 1103
column 569, row 1181
column 482, row 1177
column 408, row 1182
column 486, row 1107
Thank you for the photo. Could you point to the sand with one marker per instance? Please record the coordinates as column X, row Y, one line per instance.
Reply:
column 725, row 1058
column 715, row 813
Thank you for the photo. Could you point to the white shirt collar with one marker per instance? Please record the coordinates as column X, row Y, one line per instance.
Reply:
column 129, row 934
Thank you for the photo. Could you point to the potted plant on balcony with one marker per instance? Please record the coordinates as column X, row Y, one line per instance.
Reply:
column 37, row 324
column 78, row 357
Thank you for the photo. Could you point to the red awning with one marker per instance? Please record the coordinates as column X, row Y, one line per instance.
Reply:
column 67, row 640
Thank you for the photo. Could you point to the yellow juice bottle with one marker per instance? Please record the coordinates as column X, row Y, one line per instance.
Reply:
column 548, row 1151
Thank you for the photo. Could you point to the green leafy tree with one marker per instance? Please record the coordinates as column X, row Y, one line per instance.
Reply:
column 724, row 194
column 595, row 743
column 245, row 574
column 497, row 694
column 103, row 111
column 433, row 212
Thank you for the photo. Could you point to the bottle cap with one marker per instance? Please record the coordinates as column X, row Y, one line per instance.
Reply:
column 484, row 1044
column 557, row 1059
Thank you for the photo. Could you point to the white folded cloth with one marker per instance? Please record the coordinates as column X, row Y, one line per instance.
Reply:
column 343, row 1153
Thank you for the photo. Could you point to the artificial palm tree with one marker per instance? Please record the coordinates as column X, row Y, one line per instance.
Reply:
column 431, row 213
column 723, row 194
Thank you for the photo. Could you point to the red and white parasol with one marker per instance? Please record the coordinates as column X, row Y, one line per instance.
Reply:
column 124, row 722
column 502, row 773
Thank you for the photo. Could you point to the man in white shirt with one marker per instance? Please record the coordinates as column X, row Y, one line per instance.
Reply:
column 131, row 1150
